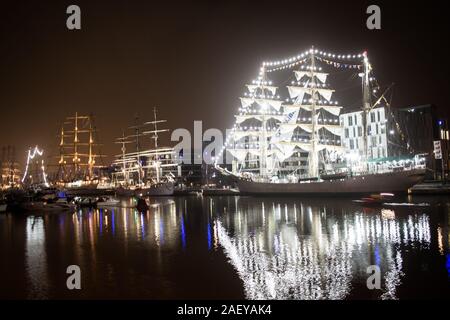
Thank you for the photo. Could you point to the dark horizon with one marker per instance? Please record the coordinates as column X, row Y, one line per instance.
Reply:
column 191, row 60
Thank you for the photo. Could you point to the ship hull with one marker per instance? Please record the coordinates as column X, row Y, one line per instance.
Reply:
column 396, row 182
column 87, row 191
column 160, row 189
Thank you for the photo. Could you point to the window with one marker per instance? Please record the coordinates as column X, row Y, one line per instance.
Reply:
column 360, row 131
column 376, row 128
column 369, row 130
column 378, row 113
column 374, row 141
column 351, row 144
column 350, row 120
column 356, row 120
column 372, row 117
column 346, row 132
column 357, row 144
column 354, row 132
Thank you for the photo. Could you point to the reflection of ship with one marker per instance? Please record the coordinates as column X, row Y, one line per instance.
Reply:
column 271, row 135
column 3, row 204
column 292, row 249
column 145, row 172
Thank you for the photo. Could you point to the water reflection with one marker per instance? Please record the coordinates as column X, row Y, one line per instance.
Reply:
column 36, row 258
column 285, row 249
column 227, row 247
column 159, row 226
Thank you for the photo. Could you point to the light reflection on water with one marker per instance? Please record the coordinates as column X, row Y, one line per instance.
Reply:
column 36, row 258
column 225, row 247
column 288, row 250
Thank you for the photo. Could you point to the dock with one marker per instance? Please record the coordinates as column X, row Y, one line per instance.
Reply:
column 431, row 187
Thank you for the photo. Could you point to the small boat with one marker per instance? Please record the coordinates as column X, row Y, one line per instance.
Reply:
column 374, row 199
column 61, row 205
column 108, row 202
column 86, row 202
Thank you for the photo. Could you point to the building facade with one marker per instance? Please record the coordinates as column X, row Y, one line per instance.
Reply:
column 377, row 134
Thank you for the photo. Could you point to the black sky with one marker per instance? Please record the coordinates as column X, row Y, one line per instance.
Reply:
column 191, row 58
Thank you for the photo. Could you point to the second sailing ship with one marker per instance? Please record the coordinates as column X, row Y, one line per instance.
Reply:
column 149, row 170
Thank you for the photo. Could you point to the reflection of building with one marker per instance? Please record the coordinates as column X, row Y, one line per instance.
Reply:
column 10, row 173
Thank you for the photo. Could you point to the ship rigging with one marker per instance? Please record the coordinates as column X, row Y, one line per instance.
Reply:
column 270, row 135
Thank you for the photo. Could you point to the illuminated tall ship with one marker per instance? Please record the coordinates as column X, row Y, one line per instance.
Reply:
column 147, row 171
column 78, row 156
column 294, row 145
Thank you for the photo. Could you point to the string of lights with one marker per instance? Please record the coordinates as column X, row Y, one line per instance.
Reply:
column 304, row 55
column 339, row 61
column 31, row 155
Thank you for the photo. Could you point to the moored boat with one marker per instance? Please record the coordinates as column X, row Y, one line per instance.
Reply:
column 108, row 202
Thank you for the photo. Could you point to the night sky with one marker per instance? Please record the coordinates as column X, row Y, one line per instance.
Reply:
column 191, row 59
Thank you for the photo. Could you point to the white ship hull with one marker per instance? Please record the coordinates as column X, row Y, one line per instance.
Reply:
column 396, row 182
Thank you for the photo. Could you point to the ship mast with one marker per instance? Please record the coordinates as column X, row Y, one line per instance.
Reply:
column 366, row 107
column 313, row 156
column 75, row 145
column 319, row 103
column 82, row 147
column 124, row 141
column 138, row 153
column 254, row 127
column 155, row 137
column 62, row 161
column 91, row 160
column 151, row 156
column 263, row 136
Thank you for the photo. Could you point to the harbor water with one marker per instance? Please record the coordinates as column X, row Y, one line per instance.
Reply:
column 230, row 247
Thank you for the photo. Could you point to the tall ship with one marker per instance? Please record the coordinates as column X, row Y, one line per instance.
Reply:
column 296, row 140
column 149, row 169
column 79, row 160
